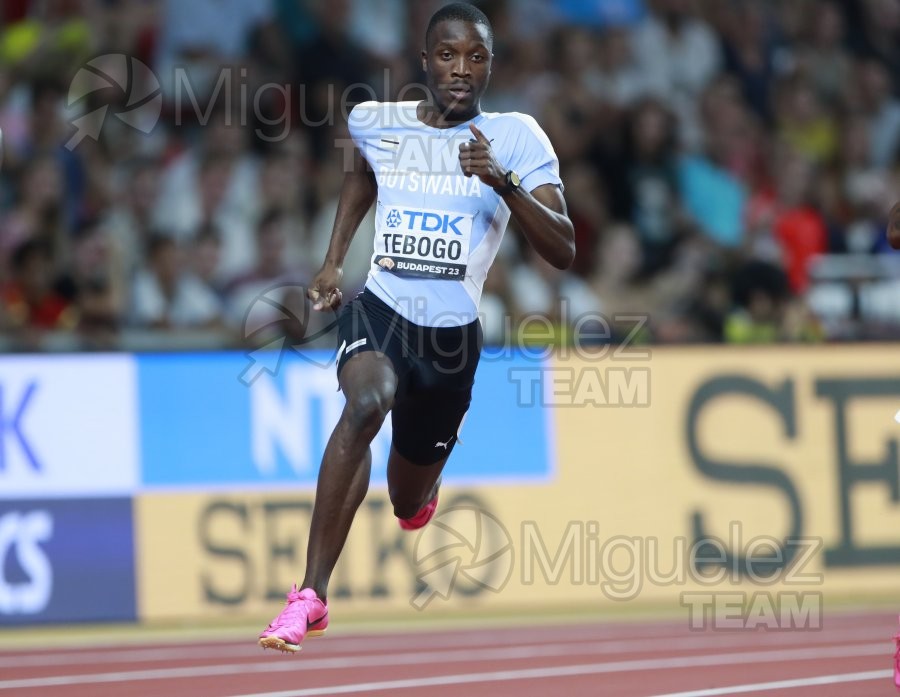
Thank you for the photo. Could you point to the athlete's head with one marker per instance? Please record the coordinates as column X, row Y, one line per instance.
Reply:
column 459, row 42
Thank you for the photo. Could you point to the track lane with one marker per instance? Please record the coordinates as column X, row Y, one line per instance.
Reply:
column 621, row 660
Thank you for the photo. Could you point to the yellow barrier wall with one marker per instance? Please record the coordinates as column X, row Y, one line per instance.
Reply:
column 787, row 455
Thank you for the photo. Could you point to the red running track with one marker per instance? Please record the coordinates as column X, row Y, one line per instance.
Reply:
column 851, row 655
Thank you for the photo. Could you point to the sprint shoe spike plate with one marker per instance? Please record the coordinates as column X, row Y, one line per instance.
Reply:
column 304, row 615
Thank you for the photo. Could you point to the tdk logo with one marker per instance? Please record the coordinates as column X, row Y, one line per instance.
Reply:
column 424, row 221
column 393, row 218
column 12, row 416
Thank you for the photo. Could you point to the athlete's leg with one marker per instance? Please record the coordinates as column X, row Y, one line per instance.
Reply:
column 411, row 486
column 428, row 417
column 425, row 428
column 369, row 383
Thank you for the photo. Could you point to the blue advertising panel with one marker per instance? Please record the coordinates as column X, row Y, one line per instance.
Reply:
column 205, row 424
column 66, row 560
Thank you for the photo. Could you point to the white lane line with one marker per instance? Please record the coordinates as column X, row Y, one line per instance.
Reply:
column 600, row 646
column 785, row 684
column 186, row 653
column 270, row 666
column 386, row 640
column 507, row 675
column 373, row 646
column 397, row 638
column 439, row 636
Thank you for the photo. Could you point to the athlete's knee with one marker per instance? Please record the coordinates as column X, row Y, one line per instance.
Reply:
column 407, row 501
column 367, row 409
column 405, row 507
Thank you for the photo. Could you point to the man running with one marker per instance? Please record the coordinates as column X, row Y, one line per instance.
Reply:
column 446, row 177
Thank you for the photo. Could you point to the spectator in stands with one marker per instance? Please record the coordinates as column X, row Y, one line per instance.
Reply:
column 588, row 211
column 863, row 188
column 627, row 91
column 38, row 211
column 14, row 118
column 616, row 280
column 760, row 291
column 166, row 296
column 765, row 310
column 680, row 55
column 618, row 78
column 325, row 192
column 48, row 134
column 136, row 212
column 271, row 269
column 798, row 227
column 327, row 63
column 829, row 200
column 95, row 263
column 651, row 177
column 284, row 185
column 713, row 197
column 498, row 308
column 750, row 52
column 51, row 39
column 824, row 60
column 875, row 99
column 803, row 122
column 552, row 298
column 31, row 304
column 204, row 40
column 216, row 181
column 94, row 284
column 206, row 257
column 525, row 81
column 874, row 31
column 571, row 115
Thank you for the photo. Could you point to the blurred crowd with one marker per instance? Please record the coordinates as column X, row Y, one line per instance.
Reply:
column 171, row 168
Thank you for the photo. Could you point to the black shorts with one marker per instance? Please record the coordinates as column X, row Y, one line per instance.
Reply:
column 435, row 368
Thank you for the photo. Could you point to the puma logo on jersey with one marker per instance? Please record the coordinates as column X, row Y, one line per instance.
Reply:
column 441, row 444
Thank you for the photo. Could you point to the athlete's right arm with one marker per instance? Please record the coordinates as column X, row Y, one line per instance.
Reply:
column 358, row 193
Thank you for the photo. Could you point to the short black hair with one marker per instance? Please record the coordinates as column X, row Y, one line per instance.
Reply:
column 156, row 242
column 759, row 277
column 31, row 248
column 270, row 217
column 461, row 11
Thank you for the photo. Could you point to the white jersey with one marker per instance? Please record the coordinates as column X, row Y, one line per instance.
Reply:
column 436, row 230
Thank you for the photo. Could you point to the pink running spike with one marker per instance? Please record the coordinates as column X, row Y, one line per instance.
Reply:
column 304, row 615
column 420, row 519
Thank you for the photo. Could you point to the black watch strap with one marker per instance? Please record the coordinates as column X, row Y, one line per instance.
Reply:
column 512, row 183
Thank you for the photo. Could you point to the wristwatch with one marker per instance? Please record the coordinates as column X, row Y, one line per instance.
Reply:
column 512, row 183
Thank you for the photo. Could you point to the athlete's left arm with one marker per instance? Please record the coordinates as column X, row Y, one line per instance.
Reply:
column 540, row 214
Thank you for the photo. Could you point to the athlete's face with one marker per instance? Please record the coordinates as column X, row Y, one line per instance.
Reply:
column 457, row 65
